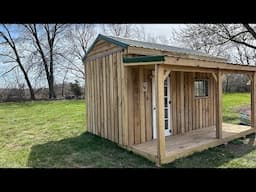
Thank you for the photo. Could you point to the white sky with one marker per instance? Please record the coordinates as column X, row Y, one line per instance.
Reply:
column 161, row 29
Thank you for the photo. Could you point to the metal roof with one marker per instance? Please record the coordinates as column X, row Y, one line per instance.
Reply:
column 124, row 42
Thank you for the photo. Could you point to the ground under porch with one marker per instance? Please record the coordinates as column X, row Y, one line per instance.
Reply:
column 198, row 140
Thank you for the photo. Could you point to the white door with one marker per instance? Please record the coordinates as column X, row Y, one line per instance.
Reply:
column 167, row 108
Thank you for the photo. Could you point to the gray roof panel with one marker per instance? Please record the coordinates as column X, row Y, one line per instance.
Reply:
column 162, row 47
column 124, row 42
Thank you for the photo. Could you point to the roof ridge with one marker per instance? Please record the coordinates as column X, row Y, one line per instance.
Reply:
column 126, row 38
column 198, row 52
column 125, row 42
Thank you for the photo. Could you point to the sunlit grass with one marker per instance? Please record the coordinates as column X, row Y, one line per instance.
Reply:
column 52, row 134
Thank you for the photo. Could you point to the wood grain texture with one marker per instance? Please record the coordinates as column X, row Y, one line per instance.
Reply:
column 121, row 110
column 219, row 106
column 253, row 100
column 198, row 140
column 161, row 151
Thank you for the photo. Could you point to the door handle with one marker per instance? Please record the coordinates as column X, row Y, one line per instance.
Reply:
column 170, row 102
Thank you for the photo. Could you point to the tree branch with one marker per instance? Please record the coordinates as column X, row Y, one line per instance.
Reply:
column 9, row 70
column 250, row 30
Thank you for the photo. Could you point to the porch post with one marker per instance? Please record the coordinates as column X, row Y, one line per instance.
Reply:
column 253, row 100
column 159, row 72
column 219, row 105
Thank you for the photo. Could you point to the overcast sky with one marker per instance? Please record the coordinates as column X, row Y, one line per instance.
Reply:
column 161, row 29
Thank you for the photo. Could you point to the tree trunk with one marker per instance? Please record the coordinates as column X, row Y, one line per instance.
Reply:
column 32, row 94
column 52, row 94
column 62, row 89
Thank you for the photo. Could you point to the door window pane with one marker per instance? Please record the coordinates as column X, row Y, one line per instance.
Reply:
column 166, row 124
column 165, row 91
column 165, row 102
column 166, row 113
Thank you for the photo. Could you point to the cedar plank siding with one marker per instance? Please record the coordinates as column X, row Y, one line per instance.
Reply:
column 104, row 65
column 120, row 110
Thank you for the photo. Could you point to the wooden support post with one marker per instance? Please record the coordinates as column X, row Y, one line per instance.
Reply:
column 124, row 85
column 182, row 110
column 253, row 100
column 159, row 72
column 219, row 105
column 214, row 76
column 86, row 98
column 142, row 106
column 250, row 76
column 166, row 73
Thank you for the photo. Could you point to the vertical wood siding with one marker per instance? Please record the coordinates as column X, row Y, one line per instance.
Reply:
column 106, row 102
column 190, row 113
column 119, row 109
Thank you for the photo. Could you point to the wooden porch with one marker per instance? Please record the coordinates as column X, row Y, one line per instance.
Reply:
column 198, row 140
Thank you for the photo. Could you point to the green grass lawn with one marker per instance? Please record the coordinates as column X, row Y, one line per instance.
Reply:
column 52, row 134
column 231, row 105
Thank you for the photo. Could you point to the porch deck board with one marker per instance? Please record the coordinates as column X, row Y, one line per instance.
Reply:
column 183, row 145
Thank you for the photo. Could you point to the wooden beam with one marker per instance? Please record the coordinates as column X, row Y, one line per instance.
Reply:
column 124, row 87
column 228, row 71
column 161, row 151
column 105, row 97
column 166, row 73
column 142, row 106
column 181, row 112
column 189, row 69
column 119, row 97
column 219, row 105
column 253, row 100
column 214, row 76
column 169, row 60
column 87, row 99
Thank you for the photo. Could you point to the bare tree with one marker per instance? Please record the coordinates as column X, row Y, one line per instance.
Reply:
column 8, row 39
column 134, row 31
column 44, row 38
column 218, row 39
column 77, row 39
column 196, row 37
column 236, row 42
column 119, row 30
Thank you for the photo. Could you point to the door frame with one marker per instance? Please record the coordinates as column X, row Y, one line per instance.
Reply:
column 168, row 132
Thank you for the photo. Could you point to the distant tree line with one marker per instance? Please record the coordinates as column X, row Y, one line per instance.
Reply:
column 62, row 91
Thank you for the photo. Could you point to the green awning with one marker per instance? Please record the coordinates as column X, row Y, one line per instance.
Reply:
column 143, row 59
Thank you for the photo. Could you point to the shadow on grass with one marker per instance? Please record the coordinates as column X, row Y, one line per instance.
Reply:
column 236, row 154
column 90, row 151
column 84, row 151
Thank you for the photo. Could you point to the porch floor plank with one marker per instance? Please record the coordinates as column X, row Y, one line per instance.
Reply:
column 197, row 140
